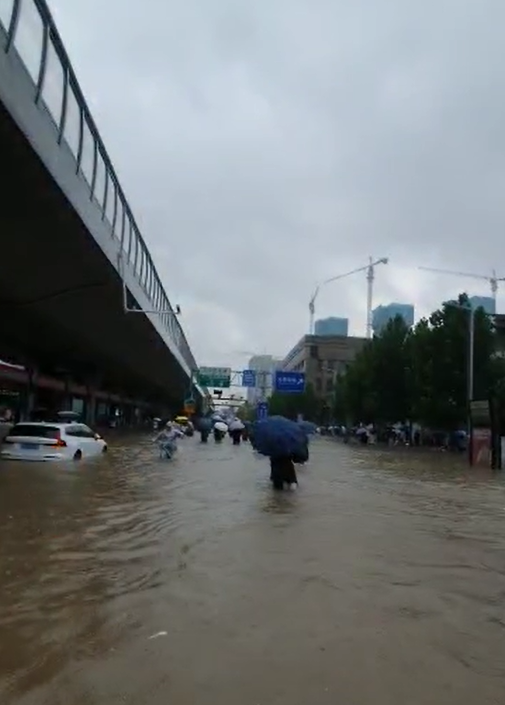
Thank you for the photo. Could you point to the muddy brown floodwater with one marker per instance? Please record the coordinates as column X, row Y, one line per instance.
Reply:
column 136, row 581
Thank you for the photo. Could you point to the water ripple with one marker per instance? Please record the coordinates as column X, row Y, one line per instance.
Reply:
column 382, row 578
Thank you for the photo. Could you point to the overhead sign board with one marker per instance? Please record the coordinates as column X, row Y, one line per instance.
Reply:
column 262, row 410
column 249, row 378
column 289, row 382
column 214, row 377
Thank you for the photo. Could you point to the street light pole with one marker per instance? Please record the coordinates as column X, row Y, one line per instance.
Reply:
column 469, row 374
column 334, row 374
column 470, row 379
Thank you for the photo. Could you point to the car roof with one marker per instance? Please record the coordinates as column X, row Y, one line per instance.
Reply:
column 58, row 424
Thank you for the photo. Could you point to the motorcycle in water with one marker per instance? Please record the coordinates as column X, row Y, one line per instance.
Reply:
column 167, row 441
column 167, row 450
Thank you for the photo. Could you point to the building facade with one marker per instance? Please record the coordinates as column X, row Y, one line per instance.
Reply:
column 264, row 366
column 383, row 314
column 322, row 358
column 332, row 326
column 486, row 302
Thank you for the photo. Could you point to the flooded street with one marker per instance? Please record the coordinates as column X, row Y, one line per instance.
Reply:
column 136, row 581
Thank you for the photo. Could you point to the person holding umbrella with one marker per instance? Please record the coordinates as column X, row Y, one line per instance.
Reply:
column 282, row 470
column 236, row 428
column 204, row 428
column 220, row 430
column 285, row 443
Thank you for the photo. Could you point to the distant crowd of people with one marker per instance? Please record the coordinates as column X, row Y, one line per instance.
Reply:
column 399, row 435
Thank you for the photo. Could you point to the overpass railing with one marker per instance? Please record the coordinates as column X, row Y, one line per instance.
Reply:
column 31, row 33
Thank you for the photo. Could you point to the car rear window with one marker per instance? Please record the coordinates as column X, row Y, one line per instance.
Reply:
column 34, row 431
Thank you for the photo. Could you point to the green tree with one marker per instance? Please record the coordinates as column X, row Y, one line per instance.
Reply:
column 355, row 389
column 377, row 385
column 247, row 412
column 392, row 372
column 421, row 374
column 440, row 363
column 290, row 405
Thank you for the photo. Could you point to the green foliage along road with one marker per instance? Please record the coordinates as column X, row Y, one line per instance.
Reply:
column 411, row 374
column 420, row 374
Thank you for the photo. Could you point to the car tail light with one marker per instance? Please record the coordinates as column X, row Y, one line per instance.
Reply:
column 59, row 442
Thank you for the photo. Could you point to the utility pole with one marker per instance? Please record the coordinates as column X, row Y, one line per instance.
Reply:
column 469, row 373
column 369, row 294
column 470, row 381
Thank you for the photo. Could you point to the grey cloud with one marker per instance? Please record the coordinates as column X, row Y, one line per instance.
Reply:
column 267, row 145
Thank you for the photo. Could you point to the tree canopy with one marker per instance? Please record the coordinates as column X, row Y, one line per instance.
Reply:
column 290, row 405
column 421, row 373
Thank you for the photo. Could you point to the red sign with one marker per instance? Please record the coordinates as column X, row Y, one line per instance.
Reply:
column 481, row 447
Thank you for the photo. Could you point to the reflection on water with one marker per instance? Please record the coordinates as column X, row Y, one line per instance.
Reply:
column 380, row 581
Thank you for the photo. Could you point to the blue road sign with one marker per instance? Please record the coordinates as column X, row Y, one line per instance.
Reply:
column 262, row 410
column 249, row 378
column 289, row 381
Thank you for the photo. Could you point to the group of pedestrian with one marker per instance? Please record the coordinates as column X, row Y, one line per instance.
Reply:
column 286, row 444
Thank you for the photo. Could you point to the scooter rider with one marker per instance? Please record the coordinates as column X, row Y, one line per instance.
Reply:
column 167, row 439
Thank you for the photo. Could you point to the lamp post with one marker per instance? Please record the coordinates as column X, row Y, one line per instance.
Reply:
column 470, row 381
column 334, row 373
column 470, row 373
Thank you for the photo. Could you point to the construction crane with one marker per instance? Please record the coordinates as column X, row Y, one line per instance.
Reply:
column 370, row 276
column 493, row 279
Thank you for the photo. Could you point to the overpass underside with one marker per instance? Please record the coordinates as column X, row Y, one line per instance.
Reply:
column 60, row 298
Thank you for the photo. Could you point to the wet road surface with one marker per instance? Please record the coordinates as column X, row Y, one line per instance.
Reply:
column 135, row 581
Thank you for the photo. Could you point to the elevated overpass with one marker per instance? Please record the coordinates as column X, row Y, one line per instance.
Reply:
column 72, row 259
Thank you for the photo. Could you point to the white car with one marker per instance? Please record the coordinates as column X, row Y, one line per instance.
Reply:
column 51, row 441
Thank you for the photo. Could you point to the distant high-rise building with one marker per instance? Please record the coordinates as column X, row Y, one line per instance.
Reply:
column 332, row 326
column 485, row 302
column 383, row 314
column 264, row 366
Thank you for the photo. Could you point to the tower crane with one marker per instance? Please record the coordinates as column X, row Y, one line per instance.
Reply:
column 370, row 276
column 493, row 279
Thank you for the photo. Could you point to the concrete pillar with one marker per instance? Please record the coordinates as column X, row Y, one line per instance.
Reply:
column 30, row 397
column 91, row 409
column 93, row 384
column 127, row 414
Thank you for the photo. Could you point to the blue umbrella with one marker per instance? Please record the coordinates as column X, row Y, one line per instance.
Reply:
column 276, row 436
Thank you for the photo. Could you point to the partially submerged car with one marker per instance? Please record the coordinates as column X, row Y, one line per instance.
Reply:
column 61, row 440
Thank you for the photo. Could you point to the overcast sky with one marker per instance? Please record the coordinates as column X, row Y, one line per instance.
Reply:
column 265, row 146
